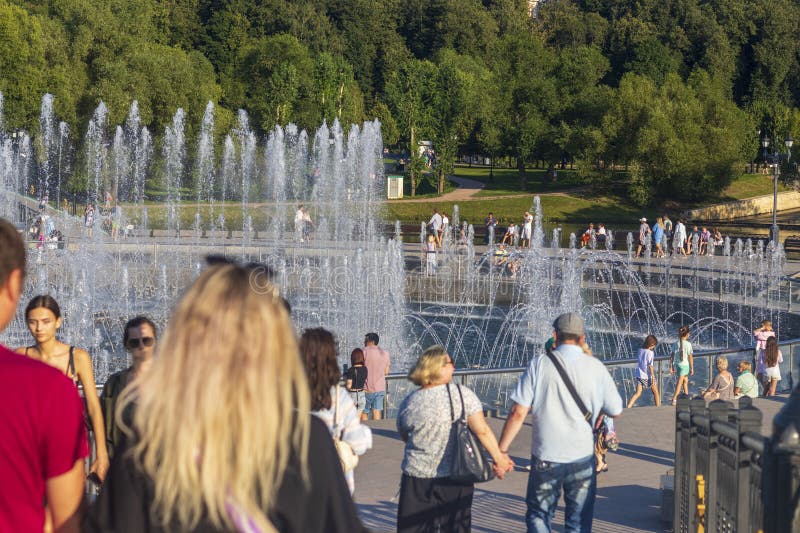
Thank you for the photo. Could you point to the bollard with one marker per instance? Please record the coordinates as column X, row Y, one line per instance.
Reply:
column 701, row 503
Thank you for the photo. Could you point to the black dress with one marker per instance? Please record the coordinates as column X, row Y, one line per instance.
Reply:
column 125, row 501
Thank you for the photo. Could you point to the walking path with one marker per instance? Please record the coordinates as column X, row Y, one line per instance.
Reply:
column 628, row 495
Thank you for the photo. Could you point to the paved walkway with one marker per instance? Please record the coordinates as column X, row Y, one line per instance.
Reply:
column 628, row 496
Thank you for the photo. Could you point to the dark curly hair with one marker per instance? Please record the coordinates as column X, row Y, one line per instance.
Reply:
column 318, row 350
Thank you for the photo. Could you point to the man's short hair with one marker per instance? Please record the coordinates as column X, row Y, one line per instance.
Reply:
column 372, row 337
column 12, row 251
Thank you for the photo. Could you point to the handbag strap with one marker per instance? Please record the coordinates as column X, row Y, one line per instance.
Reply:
column 452, row 411
column 335, row 414
column 587, row 415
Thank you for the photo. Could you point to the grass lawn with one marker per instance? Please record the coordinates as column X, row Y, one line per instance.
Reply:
column 578, row 207
column 506, row 180
column 749, row 185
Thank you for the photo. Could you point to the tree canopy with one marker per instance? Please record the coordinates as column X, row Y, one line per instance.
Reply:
column 673, row 90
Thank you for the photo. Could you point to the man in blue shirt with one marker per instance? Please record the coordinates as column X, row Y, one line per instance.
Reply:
column 562, row 451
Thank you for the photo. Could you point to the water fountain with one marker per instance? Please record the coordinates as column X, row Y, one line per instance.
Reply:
column 352, row 277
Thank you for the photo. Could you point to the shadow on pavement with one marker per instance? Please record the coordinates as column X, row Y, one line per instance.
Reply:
column 645, row 453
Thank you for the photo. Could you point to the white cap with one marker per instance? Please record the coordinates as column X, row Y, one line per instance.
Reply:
column 642, row 219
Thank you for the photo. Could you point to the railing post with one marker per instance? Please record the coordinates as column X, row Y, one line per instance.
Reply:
column 685, row 464
column 717, row 413
column 781, row 480
column 748, row 419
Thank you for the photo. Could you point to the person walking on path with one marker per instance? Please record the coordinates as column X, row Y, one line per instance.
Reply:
column 682, row 363
column 772, row 360
column 644, row 236
column 746, row 383
column 244, row 454
column 139, row 338
column 435, row 227
column 762, row 334
column 377, row 361
column 42, row 437
column 645, row 376
column 43, row 316
column 667, row 225
column 429, row 500
column 356, row 377
column 679, row 240
column 562, row 448
column 491, row 226
column 658, row 237
column 329, row 401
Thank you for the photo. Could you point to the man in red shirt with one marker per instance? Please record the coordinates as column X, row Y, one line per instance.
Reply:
column 42, row 437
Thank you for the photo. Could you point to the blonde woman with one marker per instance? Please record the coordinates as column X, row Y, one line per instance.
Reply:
column 428, row 498
column 222, row 438
column 722, row 388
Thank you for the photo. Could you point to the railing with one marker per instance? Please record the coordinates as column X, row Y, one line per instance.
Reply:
column 749, row 482
column 494, row 385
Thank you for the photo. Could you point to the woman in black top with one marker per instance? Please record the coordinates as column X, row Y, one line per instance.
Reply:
column 221, row 437
column 355, row 379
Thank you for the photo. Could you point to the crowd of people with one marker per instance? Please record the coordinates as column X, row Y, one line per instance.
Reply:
column 663, row 238
column 229, row 421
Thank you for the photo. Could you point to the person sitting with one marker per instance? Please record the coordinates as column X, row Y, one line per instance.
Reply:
column 587, row 235
column 510, row 235
column 221, row 436
column 601, row 234
column 500, row 255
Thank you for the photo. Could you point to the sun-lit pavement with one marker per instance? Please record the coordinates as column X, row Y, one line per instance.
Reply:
column 628, row 495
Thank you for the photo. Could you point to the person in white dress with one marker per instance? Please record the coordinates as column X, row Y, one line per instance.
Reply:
column 680, row 238
column 527, row 229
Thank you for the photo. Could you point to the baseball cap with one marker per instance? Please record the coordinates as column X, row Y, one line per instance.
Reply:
column 642, row 219
column 570, row 323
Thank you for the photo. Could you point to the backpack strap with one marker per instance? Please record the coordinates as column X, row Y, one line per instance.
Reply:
column 587, row 415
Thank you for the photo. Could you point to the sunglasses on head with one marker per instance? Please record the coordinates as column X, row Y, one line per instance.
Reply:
column 144, row 341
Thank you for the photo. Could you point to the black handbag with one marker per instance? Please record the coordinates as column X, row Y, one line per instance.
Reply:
column 471, row 462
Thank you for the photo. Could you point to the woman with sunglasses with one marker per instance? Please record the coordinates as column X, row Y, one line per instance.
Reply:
column 429, row 499
column 139, row 338
column 221, row 437
column 43, row 316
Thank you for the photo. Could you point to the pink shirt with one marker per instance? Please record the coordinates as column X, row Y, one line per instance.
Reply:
column 761, row 338
column 377, row 361
column 42, row 436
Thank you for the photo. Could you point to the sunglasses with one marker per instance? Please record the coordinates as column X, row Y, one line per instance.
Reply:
column 144, row 341
column 450, row 362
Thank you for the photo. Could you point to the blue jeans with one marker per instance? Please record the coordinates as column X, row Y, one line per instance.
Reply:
column 374, row 401
column 544, row 487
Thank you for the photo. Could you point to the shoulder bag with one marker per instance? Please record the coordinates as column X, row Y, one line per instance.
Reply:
column 471, row 463
column 347, row 456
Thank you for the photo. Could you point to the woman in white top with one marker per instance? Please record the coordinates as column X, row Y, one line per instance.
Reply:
column 527, row 229
column 330, row 401
column 680, row 238
column 772, row 360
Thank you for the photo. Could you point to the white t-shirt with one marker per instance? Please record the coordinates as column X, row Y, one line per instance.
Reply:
column 646, row 358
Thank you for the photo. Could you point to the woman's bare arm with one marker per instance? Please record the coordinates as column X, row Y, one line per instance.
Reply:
column 83, row 368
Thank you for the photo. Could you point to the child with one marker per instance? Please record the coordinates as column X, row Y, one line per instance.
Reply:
column 772, row 360
column 683, row 359
column 430, row 253
column 762, row 334
column 645, row 376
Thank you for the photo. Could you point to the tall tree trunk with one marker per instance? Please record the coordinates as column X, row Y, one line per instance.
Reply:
column 441, row 181
column 523, row 177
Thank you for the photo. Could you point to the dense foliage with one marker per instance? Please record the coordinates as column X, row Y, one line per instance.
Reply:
column 675, row 90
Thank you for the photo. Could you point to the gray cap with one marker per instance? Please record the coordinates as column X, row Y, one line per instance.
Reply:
column 570, row 323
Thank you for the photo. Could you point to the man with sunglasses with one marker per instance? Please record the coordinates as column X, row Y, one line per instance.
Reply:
column 139, row 339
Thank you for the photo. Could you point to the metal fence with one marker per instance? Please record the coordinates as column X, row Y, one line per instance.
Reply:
column 728, row 477
column 495, row 385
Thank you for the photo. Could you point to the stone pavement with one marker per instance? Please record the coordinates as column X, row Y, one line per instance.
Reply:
column 628, row 495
